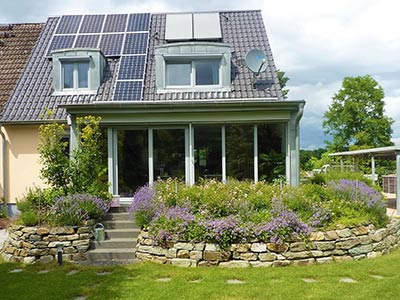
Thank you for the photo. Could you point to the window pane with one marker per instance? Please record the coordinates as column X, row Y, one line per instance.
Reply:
column 169, row 153
column 207, row 72
column 68, row 70
column 208, row 152
column 178, row 74
column 271, row 157
column 240, row 151
column 83, row 71
column 133, row 168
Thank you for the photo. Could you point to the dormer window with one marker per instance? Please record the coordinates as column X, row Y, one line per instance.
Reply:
column 77, row 71
column 193, row 66
column 75, row 75
column 193, row 73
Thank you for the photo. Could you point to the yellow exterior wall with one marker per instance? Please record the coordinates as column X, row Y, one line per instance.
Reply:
column 22, row 160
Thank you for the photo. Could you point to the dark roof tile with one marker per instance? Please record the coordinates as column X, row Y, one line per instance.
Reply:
column 243, row 30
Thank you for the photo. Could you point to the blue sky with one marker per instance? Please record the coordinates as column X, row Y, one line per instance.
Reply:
column 317, row 43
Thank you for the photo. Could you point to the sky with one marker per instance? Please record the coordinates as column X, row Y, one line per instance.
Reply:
column 316, row 43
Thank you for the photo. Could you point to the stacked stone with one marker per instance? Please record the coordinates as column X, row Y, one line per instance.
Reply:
column 334, row 245
column 39, row 244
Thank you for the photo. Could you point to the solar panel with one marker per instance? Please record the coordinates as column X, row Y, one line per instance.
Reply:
column 68, row 24
column 87, row 41
column 138, row 22
column 128, row 91
column 132, row 67
column 61, row 42
column 111, row 44
column 92, row 24
column 115, row 23
column 136, row 43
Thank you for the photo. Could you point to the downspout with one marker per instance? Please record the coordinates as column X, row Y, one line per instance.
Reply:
column 3, row 161
column 294, row 133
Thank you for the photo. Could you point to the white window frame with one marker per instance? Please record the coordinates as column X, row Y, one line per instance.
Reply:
column 75, row 80
column 193, row 62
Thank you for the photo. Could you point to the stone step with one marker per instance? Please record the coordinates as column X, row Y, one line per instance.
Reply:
column 122, row 233
column 119, row 224
column 114, row 244
column 111, row 254
column 117, row 217
column 120, row 209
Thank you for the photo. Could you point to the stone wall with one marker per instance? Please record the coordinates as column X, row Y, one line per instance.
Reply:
column 335, row 245
column 39, row 244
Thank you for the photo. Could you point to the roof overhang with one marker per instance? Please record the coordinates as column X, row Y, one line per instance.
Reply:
column 196, row 111
column 388, row 152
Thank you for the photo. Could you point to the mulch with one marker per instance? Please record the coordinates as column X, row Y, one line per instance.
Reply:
column 4, row 222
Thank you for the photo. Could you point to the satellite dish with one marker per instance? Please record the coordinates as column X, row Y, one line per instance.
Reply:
column 256, row 61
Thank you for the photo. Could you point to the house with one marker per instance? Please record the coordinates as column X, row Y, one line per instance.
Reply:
column 16, row 44
column 175, row 95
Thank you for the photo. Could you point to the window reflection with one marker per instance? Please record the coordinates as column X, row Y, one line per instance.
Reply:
column 208, row 152
column 132, row 160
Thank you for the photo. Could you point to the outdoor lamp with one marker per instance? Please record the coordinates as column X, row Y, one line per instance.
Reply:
column 59, row 254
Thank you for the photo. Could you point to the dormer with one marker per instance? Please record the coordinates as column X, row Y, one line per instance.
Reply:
column 77, row 71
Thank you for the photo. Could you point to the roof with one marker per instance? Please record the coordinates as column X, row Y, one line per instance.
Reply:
column 243, row 30
column 389, row 152
column 16, row 43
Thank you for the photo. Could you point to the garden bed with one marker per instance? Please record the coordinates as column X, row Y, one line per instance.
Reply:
column 322, row 247
column 244, row 223
column 39, row 244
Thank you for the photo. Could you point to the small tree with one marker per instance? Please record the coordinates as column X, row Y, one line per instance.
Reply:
column 283, row 79
column 55, row 162
column 356, row 118
column 84, row 172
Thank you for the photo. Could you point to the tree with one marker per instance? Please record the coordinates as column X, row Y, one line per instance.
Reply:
column 356, row 118
column 283, row 81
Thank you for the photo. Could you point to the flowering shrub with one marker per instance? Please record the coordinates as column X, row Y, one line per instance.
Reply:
column 74, row 209
column 365, row 200
column 142, row 206
column 243, row 211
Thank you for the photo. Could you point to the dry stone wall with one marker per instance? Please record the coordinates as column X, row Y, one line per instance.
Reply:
column 39, row 244
column 335, row 245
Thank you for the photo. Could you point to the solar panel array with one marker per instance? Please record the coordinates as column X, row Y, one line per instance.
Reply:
column 116, row 35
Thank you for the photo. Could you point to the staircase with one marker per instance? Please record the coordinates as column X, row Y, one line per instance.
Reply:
column 121, row 234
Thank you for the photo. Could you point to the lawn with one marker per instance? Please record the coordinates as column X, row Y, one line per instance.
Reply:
column 372, row 279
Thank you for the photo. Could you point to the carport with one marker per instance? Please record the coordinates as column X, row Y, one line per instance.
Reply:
column 392, row 153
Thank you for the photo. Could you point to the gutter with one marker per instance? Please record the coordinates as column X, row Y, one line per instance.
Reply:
column 3, row 161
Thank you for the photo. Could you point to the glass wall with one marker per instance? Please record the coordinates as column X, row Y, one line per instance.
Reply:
column 239, row 143
column 271, row 151
column 132, row 161
column 169, row 153
column 208, row 152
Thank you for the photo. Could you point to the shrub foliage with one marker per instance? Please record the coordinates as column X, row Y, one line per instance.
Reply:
column 241, row 211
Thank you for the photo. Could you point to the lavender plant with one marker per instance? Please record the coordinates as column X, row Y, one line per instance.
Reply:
column 143, row 205
column 72, row 210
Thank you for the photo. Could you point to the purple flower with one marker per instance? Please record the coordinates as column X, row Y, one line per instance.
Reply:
column 142, row 199
column 320, row 216
column 283, row 226
column 358, row 191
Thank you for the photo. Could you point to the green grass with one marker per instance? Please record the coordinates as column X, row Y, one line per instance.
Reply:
column 140, row 282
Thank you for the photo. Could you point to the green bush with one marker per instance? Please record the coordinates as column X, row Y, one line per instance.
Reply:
column 29, row 218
